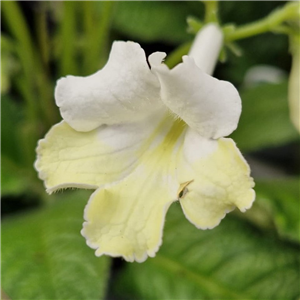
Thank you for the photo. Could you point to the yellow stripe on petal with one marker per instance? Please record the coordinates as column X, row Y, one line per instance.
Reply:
column 220, row 183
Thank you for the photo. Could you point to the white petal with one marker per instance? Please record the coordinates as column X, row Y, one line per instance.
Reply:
column 218, row 180
column 156, row 58
column 68, row 158
column 125, row 90
column 210, row 106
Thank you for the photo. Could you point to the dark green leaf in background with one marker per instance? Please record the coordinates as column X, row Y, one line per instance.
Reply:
column 17, row 173
column 13, row 177
column 232, row 261
column 153, row 21
column 280, row 200
column 10, row 66
column 45, row 257
column 11, row 118
column 265, row 120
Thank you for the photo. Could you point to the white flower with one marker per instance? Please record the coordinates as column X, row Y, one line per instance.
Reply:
column 144, row 138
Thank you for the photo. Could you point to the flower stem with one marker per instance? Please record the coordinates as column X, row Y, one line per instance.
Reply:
column 42, row 36
column 211, row 11
column 47, row 110
column 68, row 35
column 104, row 28
column 18, row 28
column 270, row 23
column 293, row 90
column 175, row 57
column 96, row 34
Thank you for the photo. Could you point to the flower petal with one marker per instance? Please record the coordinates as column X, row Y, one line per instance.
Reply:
column 210, row 106
column 68, row 158
column 125, row 90
column 219, row 180
column 127, row 219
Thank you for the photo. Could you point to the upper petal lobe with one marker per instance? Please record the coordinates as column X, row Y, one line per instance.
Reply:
column 210, row 106
column 125, row 90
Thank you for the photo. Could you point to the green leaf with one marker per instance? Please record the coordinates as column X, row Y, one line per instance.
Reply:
column 232, row 261
column 194, row 24
column 265, row 118
column 280, row 199
column 17, row 172
column 11, row 118
column 13, row 179
column 10, row 66
column 152, row 21
column 45, row 257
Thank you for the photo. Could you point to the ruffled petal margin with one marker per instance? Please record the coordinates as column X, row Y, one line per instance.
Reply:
column 127, row 219
column 125, row 90
column 219, row 180
column 68, row 158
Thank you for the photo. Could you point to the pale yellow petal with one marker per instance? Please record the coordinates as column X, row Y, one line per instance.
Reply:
column 218, row 180
column 68, row 158
column 126, row 219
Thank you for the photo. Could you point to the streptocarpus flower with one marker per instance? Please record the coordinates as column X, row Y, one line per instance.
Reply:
column 143, row 138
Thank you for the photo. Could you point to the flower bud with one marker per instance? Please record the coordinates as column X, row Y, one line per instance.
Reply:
column 293, row 89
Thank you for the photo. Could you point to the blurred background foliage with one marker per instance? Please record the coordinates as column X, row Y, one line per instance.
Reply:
column 249, row 256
